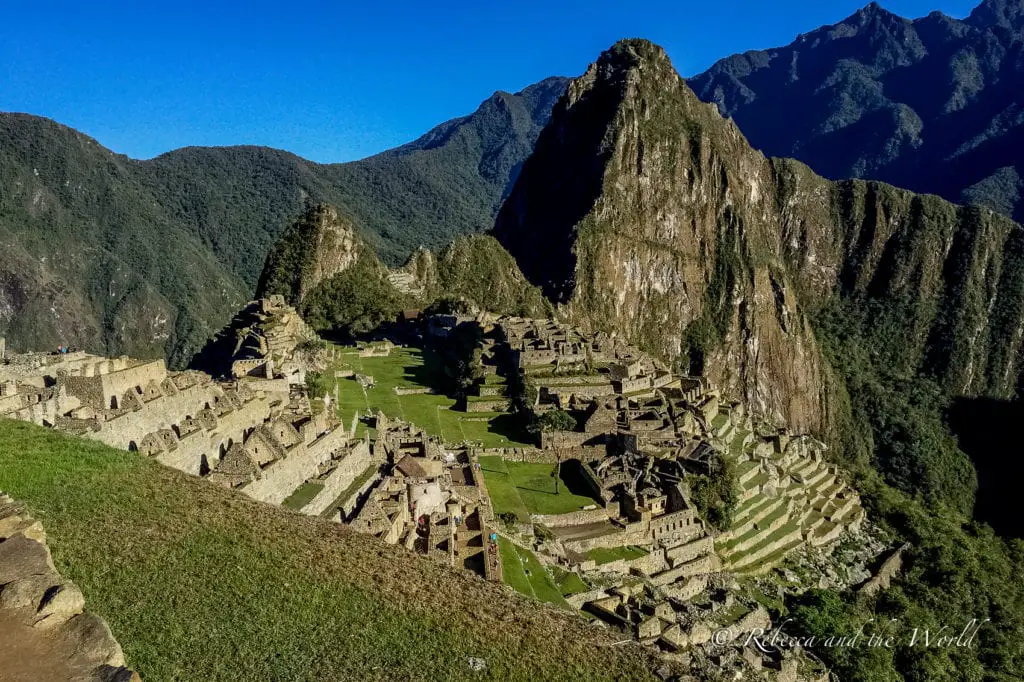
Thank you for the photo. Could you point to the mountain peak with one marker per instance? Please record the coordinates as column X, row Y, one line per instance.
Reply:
column 1005, row 13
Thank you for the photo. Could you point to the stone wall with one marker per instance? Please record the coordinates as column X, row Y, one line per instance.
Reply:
column 105, row 391
column 691, row 550
column 486, row 405
column 162, row 413
column 282, row 477
column 577, row 518
column 680, row 522
column 231, row 427
column 886, row 572
column 649, row 564
column 349, row 506
column 405, row 390
column 354, row 462
column 581, row 391
column 633, row 534
column 700, row 566
column 564, row 440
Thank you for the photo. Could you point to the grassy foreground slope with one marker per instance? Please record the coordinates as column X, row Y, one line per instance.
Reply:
column 199, row 583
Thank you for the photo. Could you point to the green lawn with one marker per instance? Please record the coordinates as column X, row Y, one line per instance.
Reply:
column 568, row 582
column 525, row 488
column 504, row 496
column 406, row 367
column 606, row 555
column 525, row 574
column 303, row 495
column 536, row 487
column 200, row 583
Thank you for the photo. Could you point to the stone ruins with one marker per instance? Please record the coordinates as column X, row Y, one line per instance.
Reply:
column 255, row 430
column 648, row 562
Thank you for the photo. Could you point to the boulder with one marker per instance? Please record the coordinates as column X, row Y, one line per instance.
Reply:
column 21, row 557
column 59, row 605
column 90, row 638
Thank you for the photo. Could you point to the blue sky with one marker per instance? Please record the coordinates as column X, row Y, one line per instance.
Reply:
column 335, row 81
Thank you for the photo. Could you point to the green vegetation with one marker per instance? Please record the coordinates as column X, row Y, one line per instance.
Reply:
column 505, row 498
column 952, row 573
column 850, row 123
column 413, row 368
column 217, row 211
column 568, row 582
column 716, row 494
column 552, row 420
column 355, row 301
column 459, row 359
column 525, row 488
column 303, row 495
column 478, row 268
column 318, row 384
column 171, row 292
column 545, row 493
column 907, row 440
column 199, row 583
column 915, row 481
column 605, row 555
column 521, row 569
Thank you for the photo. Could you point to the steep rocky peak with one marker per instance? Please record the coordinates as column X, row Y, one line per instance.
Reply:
column 320, row 244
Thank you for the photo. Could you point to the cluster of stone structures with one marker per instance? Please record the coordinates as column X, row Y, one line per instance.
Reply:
column 644, row 433
column 45, row 632
column 429, row 499
column 267, row 339
column 567, row 364
column 256, row 431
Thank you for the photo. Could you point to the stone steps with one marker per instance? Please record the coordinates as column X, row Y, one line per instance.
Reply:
column 745, row 511
column 825, row 533
column 769, row 562
column 758, row 515
column 804, row 467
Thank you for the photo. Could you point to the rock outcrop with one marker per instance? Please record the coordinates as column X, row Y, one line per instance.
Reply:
column 45, row 633
column 319, row 245
column 643, row 212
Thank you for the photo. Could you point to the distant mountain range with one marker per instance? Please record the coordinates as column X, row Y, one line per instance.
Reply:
column 934, row 104
column 151, row 257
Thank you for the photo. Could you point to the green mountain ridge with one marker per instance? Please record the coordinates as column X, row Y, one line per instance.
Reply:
column 149, row 258
column 932, row 104
column 339, row 285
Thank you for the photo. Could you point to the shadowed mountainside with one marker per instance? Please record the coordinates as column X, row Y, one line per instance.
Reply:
column 150, row 257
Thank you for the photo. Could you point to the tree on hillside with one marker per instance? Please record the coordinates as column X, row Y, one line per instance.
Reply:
column 555, row 420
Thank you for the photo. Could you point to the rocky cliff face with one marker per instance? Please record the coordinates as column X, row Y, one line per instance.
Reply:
column 477, row 269
column 643, row 212
column 322, row 243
